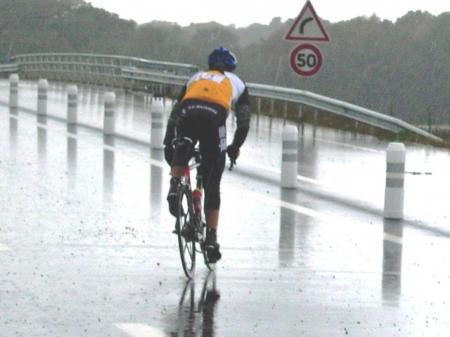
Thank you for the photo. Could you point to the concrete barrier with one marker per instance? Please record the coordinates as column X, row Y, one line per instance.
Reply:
column 395, row 179
column 289, row 163
column 72, row 104
column 157, row 113
column 42, row 97
column 109, row 117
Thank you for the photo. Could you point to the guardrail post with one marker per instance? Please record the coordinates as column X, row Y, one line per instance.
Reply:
column 272, row 107
column 157, row 112
column 289, row 162
column 395, row 177
column 14, row 91
column 258, row 109
column 316, row 119
column 109, row 114
column 285, row 113
column 258, row 105
column 300, row 119
column 72, row 104
column 148, row 99
column 42, row 97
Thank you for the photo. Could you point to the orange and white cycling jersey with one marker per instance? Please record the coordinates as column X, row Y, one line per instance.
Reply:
column 213, row 86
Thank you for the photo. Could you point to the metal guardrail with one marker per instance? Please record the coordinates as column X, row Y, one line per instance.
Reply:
column 134, row 74
column 130, row 71
column 335, row 106
column 101, row 61
column 91, row 68
column 9, row 68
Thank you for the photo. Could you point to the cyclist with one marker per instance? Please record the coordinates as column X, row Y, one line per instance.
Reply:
column 200, row 115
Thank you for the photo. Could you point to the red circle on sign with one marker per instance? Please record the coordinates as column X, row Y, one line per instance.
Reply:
column 313, row 63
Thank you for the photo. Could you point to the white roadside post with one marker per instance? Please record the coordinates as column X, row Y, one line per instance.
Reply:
column 14, row 91
column 289, row 162
column 157, row 112
column 72, row 104
column 42, row 97
column 109, row 114
column 395, row 178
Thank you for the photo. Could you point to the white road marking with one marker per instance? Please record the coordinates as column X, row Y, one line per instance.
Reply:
column 393, row 238
column 368, row 149
column 140, row 330
column 278, row 172
column 3, row 248
column 288, row 205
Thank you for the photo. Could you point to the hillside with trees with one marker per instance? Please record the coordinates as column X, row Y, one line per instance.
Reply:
column 400, row 68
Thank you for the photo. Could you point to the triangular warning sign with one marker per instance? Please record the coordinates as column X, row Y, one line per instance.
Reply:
column 307, row 26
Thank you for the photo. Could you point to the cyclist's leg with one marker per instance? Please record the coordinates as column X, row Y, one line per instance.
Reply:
column 183, row 148
column 213, row 170
column 212, row 201
column 184, row 144
column 212, row 148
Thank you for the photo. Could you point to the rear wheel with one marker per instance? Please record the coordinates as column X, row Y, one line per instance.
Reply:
column 185, row 218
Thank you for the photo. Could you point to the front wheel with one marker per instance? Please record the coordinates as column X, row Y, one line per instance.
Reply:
column 185, row 219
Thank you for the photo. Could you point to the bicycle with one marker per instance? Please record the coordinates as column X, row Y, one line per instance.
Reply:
column 190, row 227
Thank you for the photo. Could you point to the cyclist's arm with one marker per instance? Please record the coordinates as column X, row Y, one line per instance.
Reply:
column 242, row 119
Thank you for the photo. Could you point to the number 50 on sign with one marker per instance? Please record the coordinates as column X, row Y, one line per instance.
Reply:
column 306, row 59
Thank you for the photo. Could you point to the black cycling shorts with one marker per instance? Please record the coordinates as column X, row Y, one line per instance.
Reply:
column 204, row 122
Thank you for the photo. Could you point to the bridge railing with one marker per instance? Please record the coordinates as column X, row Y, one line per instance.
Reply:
column 132, row 72
column 99, row 61
column 92, row 68
column 338, row 107
column 9, row 68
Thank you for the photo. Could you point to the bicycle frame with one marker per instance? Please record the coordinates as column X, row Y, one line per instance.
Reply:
column 199, row 181
column 186, row 179
column 196, row 218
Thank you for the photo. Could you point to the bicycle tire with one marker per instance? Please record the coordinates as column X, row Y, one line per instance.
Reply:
column 185, row 215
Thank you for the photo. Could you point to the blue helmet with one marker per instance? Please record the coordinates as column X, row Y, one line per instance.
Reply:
column 222, row 59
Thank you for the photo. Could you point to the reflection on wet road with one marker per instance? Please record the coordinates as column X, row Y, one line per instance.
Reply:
column 86, row 247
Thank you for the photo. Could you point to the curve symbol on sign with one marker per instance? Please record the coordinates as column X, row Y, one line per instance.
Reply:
column 303, row 24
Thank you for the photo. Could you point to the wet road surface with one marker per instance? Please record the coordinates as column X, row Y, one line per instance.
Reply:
column 86, row 247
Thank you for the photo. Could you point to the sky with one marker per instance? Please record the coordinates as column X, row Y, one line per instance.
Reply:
column 242, row 13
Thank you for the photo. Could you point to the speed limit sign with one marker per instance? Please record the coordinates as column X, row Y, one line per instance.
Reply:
column 306, row 59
